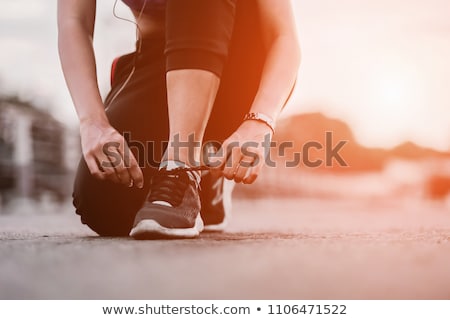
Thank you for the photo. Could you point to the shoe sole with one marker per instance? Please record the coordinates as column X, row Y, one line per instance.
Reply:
column 150, row 230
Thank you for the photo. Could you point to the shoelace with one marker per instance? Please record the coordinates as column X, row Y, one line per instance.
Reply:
column 187, row 169
column 170, row 185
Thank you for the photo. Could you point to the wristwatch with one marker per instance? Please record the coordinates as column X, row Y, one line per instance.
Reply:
column 261, row 117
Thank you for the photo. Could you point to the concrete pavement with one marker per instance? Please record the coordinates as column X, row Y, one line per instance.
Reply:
column 275, row 249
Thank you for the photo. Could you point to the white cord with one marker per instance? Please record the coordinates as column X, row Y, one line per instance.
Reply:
column 138, row 41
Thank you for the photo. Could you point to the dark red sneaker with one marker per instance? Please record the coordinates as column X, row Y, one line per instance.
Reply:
column 215, row 196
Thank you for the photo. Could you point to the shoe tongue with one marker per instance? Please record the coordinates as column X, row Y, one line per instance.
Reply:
column 174, row 164
column 168, row 166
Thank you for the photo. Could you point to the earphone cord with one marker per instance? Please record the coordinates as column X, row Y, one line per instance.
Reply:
column 138, row 41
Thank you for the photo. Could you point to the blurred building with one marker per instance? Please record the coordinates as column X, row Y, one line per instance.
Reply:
column 35, row 153
column 407, row 171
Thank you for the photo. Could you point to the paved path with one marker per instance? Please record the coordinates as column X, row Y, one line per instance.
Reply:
column 290, row 249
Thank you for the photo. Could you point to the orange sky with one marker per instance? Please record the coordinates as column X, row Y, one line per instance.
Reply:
column 382, row 66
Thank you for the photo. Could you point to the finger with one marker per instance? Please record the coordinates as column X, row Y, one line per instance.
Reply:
column 240, row 173
column 243, row 169
column 93, row 167
column 253, row 173
column 109, row 172
column 256, row 165
column 134, row 171
column 251, row 157
column 121, row 171
column 115, row 157
column 250, row 178
column 232, row 163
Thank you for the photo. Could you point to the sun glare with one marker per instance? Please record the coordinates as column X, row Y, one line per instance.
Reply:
column 394, row 94
column 394, row 97
column 394, row 102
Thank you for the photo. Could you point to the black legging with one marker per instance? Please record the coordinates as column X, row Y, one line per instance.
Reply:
column 140, row 112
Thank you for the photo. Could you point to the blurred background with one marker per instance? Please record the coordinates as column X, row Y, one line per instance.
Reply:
column 374, row 73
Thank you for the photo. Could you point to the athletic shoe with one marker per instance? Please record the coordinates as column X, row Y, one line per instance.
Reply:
column 172, row 208
column 215, row 196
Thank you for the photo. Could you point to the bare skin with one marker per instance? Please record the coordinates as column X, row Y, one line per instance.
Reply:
column 76, row 26
column 186, row 89
column 279, row 74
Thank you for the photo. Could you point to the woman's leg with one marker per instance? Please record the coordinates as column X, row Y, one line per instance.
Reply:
column 191, row 95
column 107, row 208
column 198, row 36
column 198, row 33
column 238, row 87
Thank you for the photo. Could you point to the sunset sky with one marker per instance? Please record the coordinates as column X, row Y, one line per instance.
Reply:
column 382, row 66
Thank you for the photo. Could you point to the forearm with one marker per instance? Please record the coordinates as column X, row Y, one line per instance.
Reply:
column 78, row 64
column 279, row 76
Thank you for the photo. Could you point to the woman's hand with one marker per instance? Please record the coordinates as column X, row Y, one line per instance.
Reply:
column 243, row 154
column 107, row 154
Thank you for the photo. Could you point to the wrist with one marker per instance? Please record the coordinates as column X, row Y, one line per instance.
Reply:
column 262, row 118
column 99, row 120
